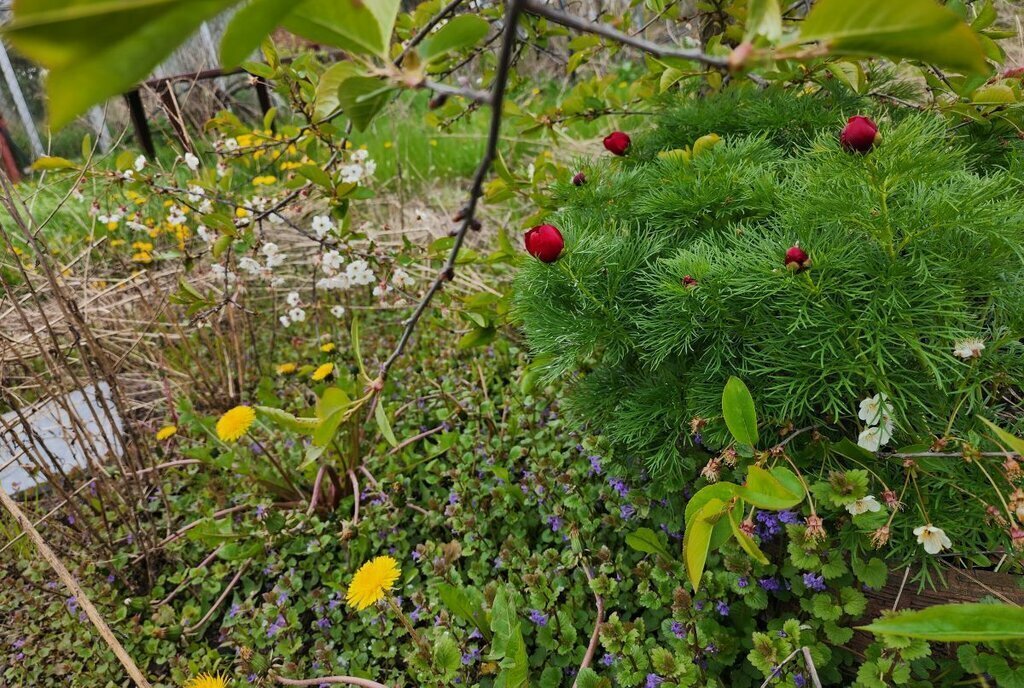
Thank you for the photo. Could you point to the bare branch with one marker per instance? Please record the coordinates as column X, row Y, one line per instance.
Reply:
column 536, row 8
column 447, row 272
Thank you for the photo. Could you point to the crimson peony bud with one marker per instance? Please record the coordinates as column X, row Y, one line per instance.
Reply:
column 797, row 258
column 579, row 179
column 545, row 243
column 859, row 134
column 689, row 281
column 617, row 142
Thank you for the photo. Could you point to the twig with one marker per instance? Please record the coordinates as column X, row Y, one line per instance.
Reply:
column 595, row 637
column 810, row 666
column 76, row 590
column 355, row 491
column 778, row 670
column 346, row 680
column 482, row 97
column 220, row 600
column 580, row 24
column 447, row 272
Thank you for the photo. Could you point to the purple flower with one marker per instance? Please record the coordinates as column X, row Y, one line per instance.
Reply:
column 799, row 680
column 538, row 617
column 722, row 608
column 619, row 485
column 595, row 465
column 711, row 649
column 323, row 623
column 653, row 681
column 742, row 582
column 472, row 656
column 814, row 582
column 678, row 630
column 788, row 517
column 453, row 497
column 18, row 644
column 555, row 522
column 608, row 659
column 770, row 584
column 233, row 610
column 627, row 511
column 768, row 525
column 277, row 626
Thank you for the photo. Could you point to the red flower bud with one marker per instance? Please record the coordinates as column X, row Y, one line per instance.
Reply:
column 579, row 179
column 617, row 142
column 689, row 281
column 859, row 134
column 545, row 243
column 797, row 258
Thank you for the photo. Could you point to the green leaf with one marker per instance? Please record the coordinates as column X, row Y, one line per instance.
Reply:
column 647, row 541
column 478, row 336
column 738, row 409
column 697, row 539
column 746, row 542
column 507, row 644
column 362, row 97
column 95, row 49
column 384, row 424
column 461, row 32
column 765, row 491
column 327, row 88
column 1012, row 442
column 955, row 623
column 911, row 29
column 467, row 604
column 287, row 420
column 249, row 26
column 50, row 162
column 723, row 491
column 764, row 18
column 356, row 350
column 359, row 26
column 447, row 656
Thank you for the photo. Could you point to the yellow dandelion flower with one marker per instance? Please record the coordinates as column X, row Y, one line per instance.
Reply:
column 111, row 225
column 371, row 582
column 388, row 144
column 242, row 212
column 117, row 242
column 286, row 368
column 433, row 142
column 327, row 348
column 235, row 423
column 322, row 372
column 142, row 257
column 207, row 681
column 166, row 432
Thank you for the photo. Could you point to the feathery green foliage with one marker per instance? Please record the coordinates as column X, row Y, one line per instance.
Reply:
column 912, row 247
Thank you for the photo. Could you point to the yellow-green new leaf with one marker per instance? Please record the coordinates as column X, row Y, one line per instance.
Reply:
column 359, row 26
column 738, row 409
column 1012, row 442
column 746, row 542
column 249, row 26
column 697, row 539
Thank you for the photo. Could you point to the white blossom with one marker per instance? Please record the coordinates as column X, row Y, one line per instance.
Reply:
column 401, row 279
column 195, row 192
column 331, row 262
column 934, row 539
column 872, row 438
column 359, row 273
column 322, row 225
column 351, row 174
column 360, row 155
column 338, row 311
column 191, row 161
column 970, row 347
column 230, row 144
column 293, row 299
column 297, row 314
column 249, row 265
column 864, row 505
column 285, row 322
column 205, row 234
column 140, row 163
column 876, row 409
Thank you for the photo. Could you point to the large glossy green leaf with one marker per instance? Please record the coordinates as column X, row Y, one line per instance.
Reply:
column 249, row 27
column 722, row 491
column 95, row 49
column 697, row 539
column 461, row 32
column 738, row 409
column 360, row 26
column 953, row 623
column 766, row 491
column 912, row 29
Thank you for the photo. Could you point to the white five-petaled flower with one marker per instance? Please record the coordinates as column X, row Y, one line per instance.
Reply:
column 969, row 347
column 933, row 539
column 338, row 311
column 873, row 438
column 191, row 161
column 140, row 163
column 876, row 409
column 864, row 505
column 351, row 174
column 322, row 225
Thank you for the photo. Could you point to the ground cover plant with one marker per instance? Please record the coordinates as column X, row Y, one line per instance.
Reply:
column 687, row 370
